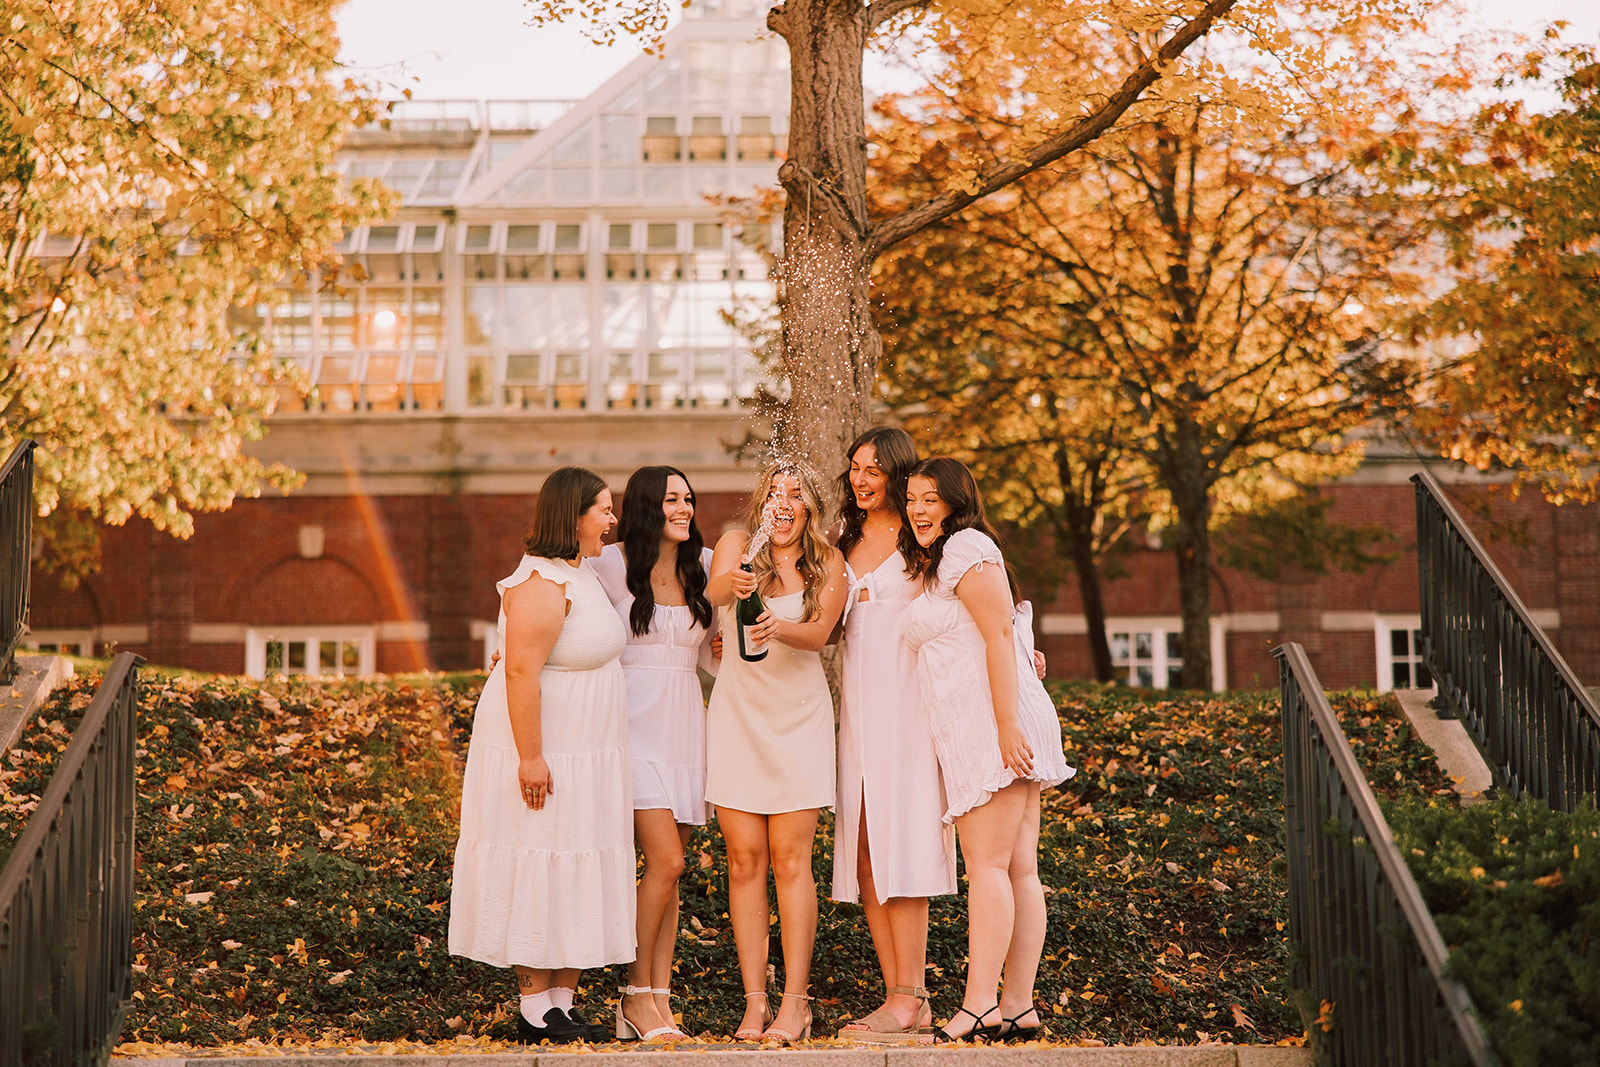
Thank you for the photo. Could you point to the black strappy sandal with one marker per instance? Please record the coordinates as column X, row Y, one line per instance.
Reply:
column 1013, row 1032
column 978, row 1032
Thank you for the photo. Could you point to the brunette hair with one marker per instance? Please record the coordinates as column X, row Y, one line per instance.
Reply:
column 814, row 547
column 896, row 454
column 959, row 490
column 639, row 533
column 566, row 494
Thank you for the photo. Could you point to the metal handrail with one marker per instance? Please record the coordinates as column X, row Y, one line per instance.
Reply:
column 1538, row 728
column 16, row 553
column 1371, row 947
column 66, row 895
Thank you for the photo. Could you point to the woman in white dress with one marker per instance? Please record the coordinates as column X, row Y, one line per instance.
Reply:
column 891, row 848
column 656, row 577
column 998, row 738
column 544, row 867
column 769, row 735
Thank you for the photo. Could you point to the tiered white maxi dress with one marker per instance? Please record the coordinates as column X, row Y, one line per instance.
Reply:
column 887, row 760
column 954, row 674
column 551, row 888
column 666, row 707
column 769, row 726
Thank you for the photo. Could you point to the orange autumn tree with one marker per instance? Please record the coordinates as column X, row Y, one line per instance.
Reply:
column 1180, row 325
column 1513, row 193
column 160, row 162
column 835, row 229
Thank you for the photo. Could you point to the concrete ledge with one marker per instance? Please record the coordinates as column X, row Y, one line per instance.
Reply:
column 37, row 677
column 1037, row 1055
column 1458, row 755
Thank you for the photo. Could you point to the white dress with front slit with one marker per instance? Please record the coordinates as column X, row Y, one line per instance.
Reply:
column 887, row 762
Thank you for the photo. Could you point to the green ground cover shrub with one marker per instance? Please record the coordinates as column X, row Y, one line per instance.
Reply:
column 295, row 843
column 1515, row 890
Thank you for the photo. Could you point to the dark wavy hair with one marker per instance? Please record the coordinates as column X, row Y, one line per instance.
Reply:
column 565, row 495
column 639, row 533
column 959, row 490
column 896, row 454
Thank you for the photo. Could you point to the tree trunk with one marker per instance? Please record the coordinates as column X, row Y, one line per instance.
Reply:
column 1077, row 529
column 1191, row 497
column 830, row 346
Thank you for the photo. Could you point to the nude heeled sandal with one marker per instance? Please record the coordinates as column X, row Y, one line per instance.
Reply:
column 626, row 1031
column 783, row 1036
column 766, row 1019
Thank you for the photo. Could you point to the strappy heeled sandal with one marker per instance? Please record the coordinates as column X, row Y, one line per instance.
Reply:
column 979, row 1030
column 869, row 1026
column 627, row 1031
column 1013, row 1032
column 766, row 1019
column 784, row 1036
column 654, row 992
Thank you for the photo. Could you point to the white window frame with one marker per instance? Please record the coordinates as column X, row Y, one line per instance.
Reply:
column 489, row 634
column 1158, row 626
column 1383, row 628
column 83, row 640
column 365, row 637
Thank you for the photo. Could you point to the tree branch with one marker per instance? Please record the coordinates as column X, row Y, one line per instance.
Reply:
column 898, row 227
column 881, row 11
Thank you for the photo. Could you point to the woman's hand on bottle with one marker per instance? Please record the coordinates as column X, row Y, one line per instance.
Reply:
column 743, row 582
column 765, row 630
column 1015, row 752
column 533, row 778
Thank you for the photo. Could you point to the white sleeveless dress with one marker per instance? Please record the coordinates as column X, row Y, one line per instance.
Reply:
column 769, row 726
column 887, row 760
column 666, row 707
column 551, row 888
column 953, row 670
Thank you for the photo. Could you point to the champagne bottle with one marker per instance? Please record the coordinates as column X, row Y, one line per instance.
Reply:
column 747, row 612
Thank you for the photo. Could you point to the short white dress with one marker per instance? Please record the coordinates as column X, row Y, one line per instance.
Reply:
column 551, row 888
column 769, row 726
column 887, row 761
column 666, row 706
column 953, row 670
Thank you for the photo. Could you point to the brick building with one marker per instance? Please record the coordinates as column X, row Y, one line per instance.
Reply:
column 552, row 291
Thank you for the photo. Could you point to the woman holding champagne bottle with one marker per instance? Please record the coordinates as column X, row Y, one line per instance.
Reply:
column 769, row 732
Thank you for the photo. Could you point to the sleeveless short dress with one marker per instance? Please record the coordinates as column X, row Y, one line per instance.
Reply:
column 953, row 670
column 887, row 762
column 769, row 726
column 666, row 706
column 551, row 888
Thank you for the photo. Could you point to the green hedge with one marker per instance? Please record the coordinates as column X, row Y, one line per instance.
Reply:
column 1515, row 889
column 295, row 844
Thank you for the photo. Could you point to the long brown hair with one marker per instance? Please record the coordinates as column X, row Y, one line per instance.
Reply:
column 896, row 454
column 566, row 494
column 814, row 547
column 959, row 490
column 640, row 534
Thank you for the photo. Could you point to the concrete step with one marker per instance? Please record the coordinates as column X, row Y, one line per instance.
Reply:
column 1032, row 1055
column 1458, row 755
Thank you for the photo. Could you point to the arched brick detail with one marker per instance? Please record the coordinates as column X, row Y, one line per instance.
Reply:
column 309, row 592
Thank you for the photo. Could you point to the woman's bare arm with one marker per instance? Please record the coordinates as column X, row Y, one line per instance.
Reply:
column 813, row 636
column 535, row 612
column 984, row 591
column 725, row 573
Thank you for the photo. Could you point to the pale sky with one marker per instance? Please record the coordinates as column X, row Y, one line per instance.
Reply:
column 486, row 49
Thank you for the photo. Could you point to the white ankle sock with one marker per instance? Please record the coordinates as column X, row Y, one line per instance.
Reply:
column 535, row 1006
column 561, row 997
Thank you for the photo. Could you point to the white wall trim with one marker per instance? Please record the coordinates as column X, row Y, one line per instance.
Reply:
column 403, row 630
column 217, row 633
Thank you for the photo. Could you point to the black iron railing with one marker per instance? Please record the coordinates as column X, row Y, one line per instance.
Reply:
column 66, row 895
column 16, row 543
column 1368, row 945
column 1537, row 727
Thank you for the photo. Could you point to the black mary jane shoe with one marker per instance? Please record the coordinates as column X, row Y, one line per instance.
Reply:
column 557, row 1029
column 591, row 1032
column 980, row 1031
column 1009, row 1031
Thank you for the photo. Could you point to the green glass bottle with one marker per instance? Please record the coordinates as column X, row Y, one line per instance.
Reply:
column 746, row 613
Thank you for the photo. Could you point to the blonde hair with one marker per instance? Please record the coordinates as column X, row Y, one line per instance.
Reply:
column 814, row 546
